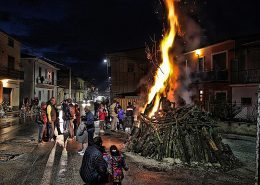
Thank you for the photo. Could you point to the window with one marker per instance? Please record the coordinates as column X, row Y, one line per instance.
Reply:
column 40, row 95
column 219, row 61
column 46, row 72
column 201, row 64
column 130, row 67
column 246, row 101
column 48, row 97
column 40, row 71
column 201, row 95
column 11, row 62
column 10, row 42
column 221, row 96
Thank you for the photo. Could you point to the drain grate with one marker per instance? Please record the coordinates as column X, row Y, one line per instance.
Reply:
column 7, row 157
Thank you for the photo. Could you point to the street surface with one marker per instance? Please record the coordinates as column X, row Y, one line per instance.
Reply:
column 23, row 161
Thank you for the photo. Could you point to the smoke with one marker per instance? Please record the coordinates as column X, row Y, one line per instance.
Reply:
column 190, row 40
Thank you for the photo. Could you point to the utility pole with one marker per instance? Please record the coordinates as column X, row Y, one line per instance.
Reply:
column 257, row 138
column 70, row 82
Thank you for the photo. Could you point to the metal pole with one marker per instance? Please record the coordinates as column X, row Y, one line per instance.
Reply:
column 70, row 82
column 258, row 139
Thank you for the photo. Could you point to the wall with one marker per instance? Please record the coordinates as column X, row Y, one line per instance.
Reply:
column 27, row 85
column 6, row 50
column 244, row 91
column 30, row 85
column 208, row 85
column 124, row 80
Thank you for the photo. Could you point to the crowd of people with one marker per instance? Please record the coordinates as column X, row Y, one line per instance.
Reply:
column 116, row 118
column 98, row 166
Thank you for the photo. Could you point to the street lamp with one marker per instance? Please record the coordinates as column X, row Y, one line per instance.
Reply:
column 107, row 62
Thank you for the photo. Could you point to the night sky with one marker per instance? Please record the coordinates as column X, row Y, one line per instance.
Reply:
column 82, row 31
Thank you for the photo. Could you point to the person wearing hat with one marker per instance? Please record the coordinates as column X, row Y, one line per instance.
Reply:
column 93, row 169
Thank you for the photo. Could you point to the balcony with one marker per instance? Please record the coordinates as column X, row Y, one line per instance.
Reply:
column 246, row 76
column 42, row 82
column 210, row 76
column 11, row 74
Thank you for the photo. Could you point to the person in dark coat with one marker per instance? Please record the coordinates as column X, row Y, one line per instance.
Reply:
column 93, row 169
column 88, row 120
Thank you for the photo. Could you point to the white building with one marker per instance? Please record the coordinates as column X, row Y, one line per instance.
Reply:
column 40, row 79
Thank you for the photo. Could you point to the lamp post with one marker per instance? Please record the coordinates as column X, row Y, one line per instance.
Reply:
column 107, row 62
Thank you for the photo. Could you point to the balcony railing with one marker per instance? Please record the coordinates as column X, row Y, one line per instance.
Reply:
column 246, row 76
column 210, row 76
column 44, row 81
column 11, row 74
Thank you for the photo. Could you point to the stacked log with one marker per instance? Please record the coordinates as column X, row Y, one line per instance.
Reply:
column 185, row 134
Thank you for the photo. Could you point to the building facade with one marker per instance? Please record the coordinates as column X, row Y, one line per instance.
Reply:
column 126, row 69
column 226, row 73
column 209, row 69
column 40, row 79
column 78, row 89
column 11, row 74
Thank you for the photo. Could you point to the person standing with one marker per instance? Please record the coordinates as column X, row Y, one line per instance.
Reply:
column 77, row 119
column 66, row 119
column 52, row 116
column 113, row 114
column 121, row 117
column 41, row 119
column 102, row 117
column 129, row 117
column 93, row 170
column 88, row 120
column 72, row 117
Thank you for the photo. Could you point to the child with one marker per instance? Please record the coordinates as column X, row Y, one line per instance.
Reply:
column 41, row 119
column 102, row 117
column 116, row 164
column 121, row 117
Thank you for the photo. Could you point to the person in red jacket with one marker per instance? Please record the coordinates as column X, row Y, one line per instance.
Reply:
column 102, row 113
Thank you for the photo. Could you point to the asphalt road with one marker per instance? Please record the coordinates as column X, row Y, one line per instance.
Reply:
column 24, row 161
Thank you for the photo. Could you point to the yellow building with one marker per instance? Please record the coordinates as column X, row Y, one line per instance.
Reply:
column 10, row 70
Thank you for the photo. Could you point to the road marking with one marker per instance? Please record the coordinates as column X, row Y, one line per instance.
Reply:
column 48, row 169
column 46, row 179
column 62, row 167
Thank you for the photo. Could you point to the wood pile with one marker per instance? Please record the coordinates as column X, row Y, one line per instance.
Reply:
column 185, row 134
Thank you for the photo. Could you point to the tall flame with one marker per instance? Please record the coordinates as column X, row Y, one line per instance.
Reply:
column 166, row 74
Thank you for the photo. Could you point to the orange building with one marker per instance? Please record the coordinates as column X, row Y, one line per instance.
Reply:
column 210, row 71
column 10, row 70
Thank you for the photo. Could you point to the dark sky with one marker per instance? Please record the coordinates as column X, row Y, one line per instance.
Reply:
column 80, row 32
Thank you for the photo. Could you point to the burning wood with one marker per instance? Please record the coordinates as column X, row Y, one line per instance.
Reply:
column 186, row 134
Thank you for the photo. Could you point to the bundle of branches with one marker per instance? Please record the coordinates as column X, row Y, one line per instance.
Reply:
column 186, row 134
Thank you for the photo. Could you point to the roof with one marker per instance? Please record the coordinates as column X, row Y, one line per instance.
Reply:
column 29, row 56
column 4, row 32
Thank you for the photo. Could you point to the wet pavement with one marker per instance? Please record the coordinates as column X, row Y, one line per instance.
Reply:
column 24, row 161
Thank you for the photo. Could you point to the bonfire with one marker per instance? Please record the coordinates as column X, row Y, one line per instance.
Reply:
column 184, row 133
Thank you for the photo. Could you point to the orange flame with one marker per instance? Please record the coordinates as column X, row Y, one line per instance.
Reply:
column 166, row 75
